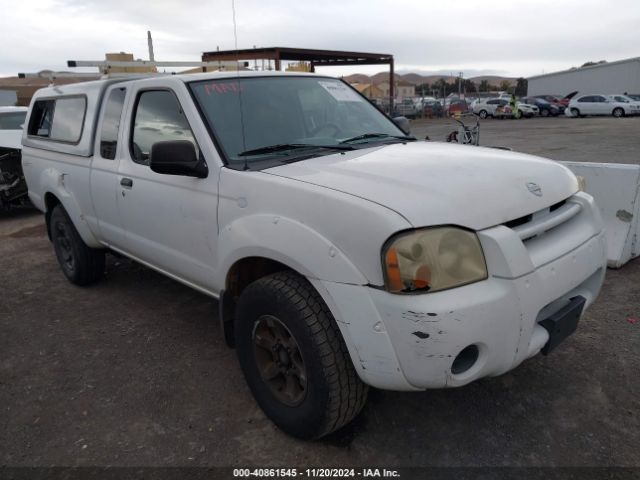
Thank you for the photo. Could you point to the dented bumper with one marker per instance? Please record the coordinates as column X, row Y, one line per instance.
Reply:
column 408, row 342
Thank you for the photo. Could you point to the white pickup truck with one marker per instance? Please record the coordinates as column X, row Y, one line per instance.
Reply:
column 343, row 252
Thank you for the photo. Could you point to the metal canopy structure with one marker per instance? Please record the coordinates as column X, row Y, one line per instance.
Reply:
column 317, row 58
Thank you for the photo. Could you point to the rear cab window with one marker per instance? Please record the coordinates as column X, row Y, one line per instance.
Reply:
column 59, row 119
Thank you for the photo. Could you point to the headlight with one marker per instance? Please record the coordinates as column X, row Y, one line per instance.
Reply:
column 432, row 259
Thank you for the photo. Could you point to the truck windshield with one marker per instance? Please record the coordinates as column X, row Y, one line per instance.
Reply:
column 311, row 115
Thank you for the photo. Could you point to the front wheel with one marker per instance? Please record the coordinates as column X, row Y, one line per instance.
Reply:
column 544, row 112
column 482, row 114
column 575, row 112
column 618, row 112
column 81, row 264
column 294, row 358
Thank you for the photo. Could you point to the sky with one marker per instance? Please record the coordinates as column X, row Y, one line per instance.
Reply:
column 476, row 37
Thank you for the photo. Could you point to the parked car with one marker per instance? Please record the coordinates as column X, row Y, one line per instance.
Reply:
column 456, row 106
column 486, row 107
column 602, row 105
column 629, row 100
column 406, row 108
column 558, row 99
column 419, row 102
column 13, row 189
column 343, row 253
column 545, row 108
column 501, row 108
column 432, row 109
column 635, row 97
column 525, row 110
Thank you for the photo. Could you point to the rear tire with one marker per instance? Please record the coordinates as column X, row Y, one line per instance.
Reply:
column 294, row 358
column 618, row 112
column 544, row 112
column 81, row 264
column 482, row 114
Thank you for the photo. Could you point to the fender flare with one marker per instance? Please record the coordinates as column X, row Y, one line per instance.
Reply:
column 52, row 183
column 286, row 241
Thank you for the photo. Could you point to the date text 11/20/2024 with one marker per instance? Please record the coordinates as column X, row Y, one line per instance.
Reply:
column 316, row 472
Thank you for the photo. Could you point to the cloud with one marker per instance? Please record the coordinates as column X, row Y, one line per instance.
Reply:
column 514, row 38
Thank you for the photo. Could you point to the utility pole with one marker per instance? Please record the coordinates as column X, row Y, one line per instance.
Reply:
column 460, row 85
column 150, row 43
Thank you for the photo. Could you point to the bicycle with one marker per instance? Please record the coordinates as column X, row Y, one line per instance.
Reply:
column 469, row 135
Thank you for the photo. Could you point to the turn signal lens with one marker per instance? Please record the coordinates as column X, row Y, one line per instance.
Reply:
column 433, row 259
column 394, row 278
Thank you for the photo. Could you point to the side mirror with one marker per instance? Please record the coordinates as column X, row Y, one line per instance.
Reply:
column 177, row 157
column 403, row 124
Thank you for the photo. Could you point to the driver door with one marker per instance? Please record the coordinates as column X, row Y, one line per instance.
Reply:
column 170, row 220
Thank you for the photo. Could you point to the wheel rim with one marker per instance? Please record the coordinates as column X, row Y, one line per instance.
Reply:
column 279, row 360
column 617, row 112
column 63, row 243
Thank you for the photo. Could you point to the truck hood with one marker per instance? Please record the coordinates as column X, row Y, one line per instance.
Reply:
column 431, row 183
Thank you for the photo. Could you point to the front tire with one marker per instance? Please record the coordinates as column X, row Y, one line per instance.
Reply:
column 575, row 112
column 294, row 358
column 81, row 264
column 618, row 112
column 482, row 114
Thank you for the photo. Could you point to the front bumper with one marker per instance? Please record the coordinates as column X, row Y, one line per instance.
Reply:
column 409, row 342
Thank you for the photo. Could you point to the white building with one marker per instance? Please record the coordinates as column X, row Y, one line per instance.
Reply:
column 605, row 78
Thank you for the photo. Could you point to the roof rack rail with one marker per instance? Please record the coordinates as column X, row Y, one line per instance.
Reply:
column 108, row 64
column 105, row 69
column 52, row 76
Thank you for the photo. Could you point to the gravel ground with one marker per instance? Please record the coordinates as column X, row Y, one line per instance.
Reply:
column 590, row 139
column 133, row 371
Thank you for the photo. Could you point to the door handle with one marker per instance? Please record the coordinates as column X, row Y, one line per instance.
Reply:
column 126, row 182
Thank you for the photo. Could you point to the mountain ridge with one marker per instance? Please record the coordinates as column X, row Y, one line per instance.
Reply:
column 417, row 79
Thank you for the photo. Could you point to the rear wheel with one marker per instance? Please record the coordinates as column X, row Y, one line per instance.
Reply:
column 544, row 112
column 294, row 358
column 618, row 112
column 482, row 114
column 81, row 264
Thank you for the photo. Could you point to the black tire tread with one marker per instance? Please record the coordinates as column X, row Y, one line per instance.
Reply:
column 347, row 393
column 90, row 261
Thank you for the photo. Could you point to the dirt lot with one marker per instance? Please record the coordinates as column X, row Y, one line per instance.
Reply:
column 133, row 371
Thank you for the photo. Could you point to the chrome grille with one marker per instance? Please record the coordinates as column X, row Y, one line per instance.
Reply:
column 542, row 221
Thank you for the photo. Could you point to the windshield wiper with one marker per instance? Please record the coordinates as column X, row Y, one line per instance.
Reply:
column 284, row 147
column 366, row 136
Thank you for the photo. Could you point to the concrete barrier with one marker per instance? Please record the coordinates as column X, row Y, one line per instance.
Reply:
column 616, row 189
